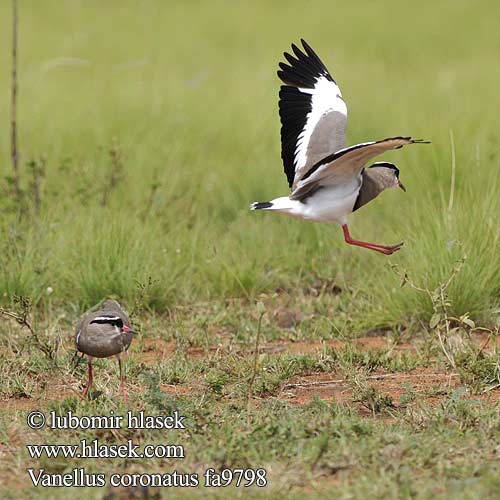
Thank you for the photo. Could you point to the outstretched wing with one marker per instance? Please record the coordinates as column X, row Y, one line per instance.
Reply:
column 312, row 112
column 346, row 164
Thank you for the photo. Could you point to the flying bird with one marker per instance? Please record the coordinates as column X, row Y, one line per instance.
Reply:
column 102, row 334
column 328, row 181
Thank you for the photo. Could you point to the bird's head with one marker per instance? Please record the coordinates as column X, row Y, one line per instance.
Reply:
column 389, row 174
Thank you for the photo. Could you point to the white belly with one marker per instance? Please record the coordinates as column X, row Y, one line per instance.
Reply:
column 332, row 203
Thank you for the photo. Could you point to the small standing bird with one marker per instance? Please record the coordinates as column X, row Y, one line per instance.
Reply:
column 102, row 334
column 328, row 181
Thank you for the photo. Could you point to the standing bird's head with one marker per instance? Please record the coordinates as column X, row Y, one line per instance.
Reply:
column 115, row 316
column 387, row 174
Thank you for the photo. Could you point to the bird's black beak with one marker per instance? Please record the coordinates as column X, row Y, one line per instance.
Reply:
column 400, row 184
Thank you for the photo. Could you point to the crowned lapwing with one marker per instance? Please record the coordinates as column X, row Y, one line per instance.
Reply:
column 328, row 181
column 102, row 334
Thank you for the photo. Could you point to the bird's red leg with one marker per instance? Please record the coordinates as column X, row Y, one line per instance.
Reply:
column 387, row 250
column 89, row 382
column 122, row 380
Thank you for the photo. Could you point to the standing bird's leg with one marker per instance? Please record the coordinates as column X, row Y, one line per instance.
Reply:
column 387, row 250
column 89, row 381
column 122, row 379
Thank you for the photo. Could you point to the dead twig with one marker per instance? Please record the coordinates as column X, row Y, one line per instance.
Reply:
column 116, row 172
column 453, row 175
column 37, row 168
column 153, row 188
column 22, row 319
column 493, row 387
column 440, row 320
column 13, row 100
column 255, row 361
column 326, row 383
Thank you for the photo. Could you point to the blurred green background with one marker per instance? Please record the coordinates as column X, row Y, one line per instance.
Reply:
column 147, row 127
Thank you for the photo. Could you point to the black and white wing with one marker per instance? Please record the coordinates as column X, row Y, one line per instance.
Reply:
column 312, row 112
column 345, row 164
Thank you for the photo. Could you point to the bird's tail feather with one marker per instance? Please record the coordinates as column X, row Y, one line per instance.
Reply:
column 283, row 204
column 261, row 205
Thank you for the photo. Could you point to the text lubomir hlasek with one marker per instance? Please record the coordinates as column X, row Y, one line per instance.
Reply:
column 130, row 421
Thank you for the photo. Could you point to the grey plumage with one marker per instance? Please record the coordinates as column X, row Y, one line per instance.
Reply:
column 100, row 334
column 376, row 179
column 104, row 333
column 328, row 135
column 346, row 164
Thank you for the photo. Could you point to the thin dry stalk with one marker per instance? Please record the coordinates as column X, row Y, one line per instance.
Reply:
column 440, row 320
column 115, row 174
column 453, row 173
column 13, row 101
column 155, row 185
column 343, row 381
column 23, row 320
column 255, row 362
column 37, row 169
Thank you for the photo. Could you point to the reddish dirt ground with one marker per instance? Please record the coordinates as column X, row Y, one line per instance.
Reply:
column 154, row 349
column 301, row 390
column 426, row 383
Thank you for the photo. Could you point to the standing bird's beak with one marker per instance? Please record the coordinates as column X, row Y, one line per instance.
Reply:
column 400, row 184
column 127, row 329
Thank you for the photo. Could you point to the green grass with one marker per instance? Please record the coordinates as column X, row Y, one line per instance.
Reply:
column 402, row 440
column 191, row 103
column 310, row 450
column 152, row 126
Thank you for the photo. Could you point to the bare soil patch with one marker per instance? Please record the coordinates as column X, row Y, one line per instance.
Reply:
column 306, row 347
column 427, row 385
column 56, row 391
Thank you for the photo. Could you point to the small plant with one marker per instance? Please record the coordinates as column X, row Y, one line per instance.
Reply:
column 155, row 397
column 142, row 298
column 365, row 393
column 153, row 188
column 37, row 170
column 479, row 369
column 370, row 397
column 216, row 379
column 22, row 316
column 409, row 396
column 454, row 335
column 116, row 172
column 441, row 320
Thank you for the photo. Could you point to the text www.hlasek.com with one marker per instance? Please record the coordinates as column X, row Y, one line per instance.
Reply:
column 95, row 450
